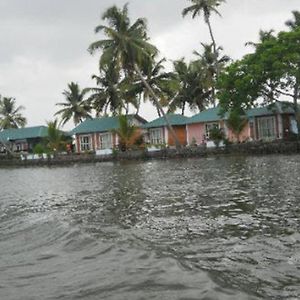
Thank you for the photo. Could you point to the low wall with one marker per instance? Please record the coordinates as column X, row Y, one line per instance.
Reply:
column 253, row 148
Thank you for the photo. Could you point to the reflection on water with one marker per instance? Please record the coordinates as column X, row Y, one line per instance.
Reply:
column 216, row 228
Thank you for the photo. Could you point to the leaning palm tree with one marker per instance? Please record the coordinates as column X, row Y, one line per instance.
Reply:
column 127, row 46
column 164, row 84
column 75, row 107
column 10, row 116
column 206, row 7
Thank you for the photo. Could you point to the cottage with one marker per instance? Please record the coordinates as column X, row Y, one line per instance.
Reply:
column 98, row 134
column 275, row 121
column 158, row 132
column 22, row 139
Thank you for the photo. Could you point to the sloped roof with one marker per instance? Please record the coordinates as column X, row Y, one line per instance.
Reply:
column 280, row 107
column 102, row 124
column 23, row 133
column 213, row 114
column 174, row 120
column 209, row 115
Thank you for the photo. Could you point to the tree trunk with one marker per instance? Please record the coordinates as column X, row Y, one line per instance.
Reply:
column 156, row 100
column 295, row 101
column 216, row 58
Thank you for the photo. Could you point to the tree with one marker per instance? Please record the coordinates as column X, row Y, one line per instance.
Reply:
column 10, row 116
column 212, row 63
column 237, row 122
column 127, row 46
column 128, row 134
column 56, row 140
column 207, row 7
column 75, row 107
column 271, row 72
column 294, row 24
column 191, row 90
column 164, row 84
column 107, row 95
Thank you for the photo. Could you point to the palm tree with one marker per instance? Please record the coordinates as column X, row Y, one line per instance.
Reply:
column 294, row 24
column 10, row 116
column 128, row 48
column 263, row 36
column 75, row 106
column 164, row 84
column 56, row 140
column 190, row 90
column 206, row 7
column 128, row 134
column 106, row 96
column 212, row 64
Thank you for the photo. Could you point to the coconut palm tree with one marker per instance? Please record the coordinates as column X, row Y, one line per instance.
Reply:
column 207, row 7
column 10, row 116
column 212, row 63
column 191, row 91
column 127, row 46
column 75, row 107
column 107, row 95
column 164, row 84
column 128, row 134
column 55, row 140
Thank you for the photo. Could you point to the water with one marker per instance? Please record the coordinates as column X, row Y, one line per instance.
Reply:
column 216, row 228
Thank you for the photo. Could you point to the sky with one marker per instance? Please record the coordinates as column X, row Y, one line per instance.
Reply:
column 43, row 43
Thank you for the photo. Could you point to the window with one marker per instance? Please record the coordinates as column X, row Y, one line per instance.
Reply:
column 85, row 143
column 209, row 127
column 156, row 136
column 106, row 141
column 266, row 128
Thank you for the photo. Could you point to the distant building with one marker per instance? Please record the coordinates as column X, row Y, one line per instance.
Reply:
column 22, row 139
column 158, row 132
column 275, row 121
column 98, row 134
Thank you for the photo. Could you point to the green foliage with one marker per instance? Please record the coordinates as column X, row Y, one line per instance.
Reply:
column 272, row 71
column 129, row 135
column 75, row 107
column 10, row 116
column 56, row 141
column 237, row 122
column 40, row 149
column 217, row 135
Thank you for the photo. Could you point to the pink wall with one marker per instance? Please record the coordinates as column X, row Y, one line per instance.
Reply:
column 195, row 132
column 244, row 135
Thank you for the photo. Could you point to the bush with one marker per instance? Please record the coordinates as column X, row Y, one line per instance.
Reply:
column 217, row 135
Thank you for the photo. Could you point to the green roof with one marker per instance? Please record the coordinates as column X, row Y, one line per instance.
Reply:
column 101, row 124
column 174, row 120
column 274, row 108
column 213, row 114
column 209, row 115
column 23, row 133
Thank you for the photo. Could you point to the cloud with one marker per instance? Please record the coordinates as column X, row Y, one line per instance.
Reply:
column 43, row 42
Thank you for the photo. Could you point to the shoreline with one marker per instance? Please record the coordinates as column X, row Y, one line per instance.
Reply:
column 246, row 149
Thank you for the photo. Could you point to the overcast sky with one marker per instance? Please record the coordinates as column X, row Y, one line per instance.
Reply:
column 43, row 43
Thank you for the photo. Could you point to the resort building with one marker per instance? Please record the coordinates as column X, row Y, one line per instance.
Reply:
column 275, row 121
column 22, row 139
column 158, row 132
column 98, row 134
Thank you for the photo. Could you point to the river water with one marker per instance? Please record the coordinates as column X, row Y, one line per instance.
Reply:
column 215, row 228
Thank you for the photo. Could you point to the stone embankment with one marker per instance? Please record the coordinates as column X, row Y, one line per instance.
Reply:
column 253, row 148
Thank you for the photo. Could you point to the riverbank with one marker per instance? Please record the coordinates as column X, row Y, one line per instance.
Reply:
column 252, row 148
